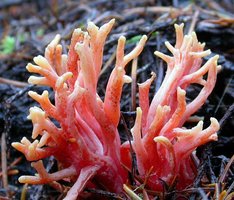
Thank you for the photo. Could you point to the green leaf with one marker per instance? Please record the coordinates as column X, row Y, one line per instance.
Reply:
column 40, row 32
column 7, row 45
column 134, row 39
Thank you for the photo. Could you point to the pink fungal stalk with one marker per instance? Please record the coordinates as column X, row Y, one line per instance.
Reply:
column 86, row 143
column 162, row 146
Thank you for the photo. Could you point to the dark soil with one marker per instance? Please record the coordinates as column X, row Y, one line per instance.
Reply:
column 32, row 24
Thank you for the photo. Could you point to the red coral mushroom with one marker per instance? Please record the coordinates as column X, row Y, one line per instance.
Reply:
column 162, row 146
column 87, row 142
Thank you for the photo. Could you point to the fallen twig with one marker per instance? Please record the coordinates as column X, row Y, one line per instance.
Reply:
column 13, row 82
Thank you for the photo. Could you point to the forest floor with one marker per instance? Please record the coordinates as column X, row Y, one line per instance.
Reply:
column 26, row 27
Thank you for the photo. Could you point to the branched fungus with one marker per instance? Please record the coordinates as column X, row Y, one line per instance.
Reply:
column 86, row 143
column 162, row 146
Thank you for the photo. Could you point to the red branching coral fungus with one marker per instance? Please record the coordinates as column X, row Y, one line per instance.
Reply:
column 87, row 142
column 162, row 146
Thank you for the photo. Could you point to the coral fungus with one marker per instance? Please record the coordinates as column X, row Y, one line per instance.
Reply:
column 162, row 146
column 86, row 143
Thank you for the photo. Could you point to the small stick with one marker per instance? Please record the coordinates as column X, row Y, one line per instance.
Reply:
column 24, row 192
column 228, row 114
column 229, row 190
column 151, row 9
column 194, row 21
column 12, row 82
column 221, row 179
column 12, row 171
column 4, row 163
column 224, row 93
column 15, row 162
column 104, row 193
column 133, row 170
column 133, row 85
column 131, row 193
column 108, row 63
